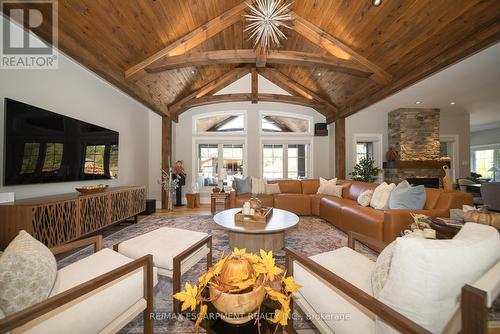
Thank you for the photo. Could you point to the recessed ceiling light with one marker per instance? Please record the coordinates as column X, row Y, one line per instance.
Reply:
column 192, row 71
column 418, row 102
column 376, row 3
column 319, row 74
column 452, row 103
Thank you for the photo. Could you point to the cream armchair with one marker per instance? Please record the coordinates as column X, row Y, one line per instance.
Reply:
column 98, row 294
column 337, row 294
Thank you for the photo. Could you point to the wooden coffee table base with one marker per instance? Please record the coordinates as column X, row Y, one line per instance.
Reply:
column 254, row 242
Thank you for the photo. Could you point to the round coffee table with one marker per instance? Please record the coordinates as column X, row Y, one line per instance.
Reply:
column 256, row 236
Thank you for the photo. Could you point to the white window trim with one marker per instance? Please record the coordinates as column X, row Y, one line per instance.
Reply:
column 285, row 141
column 243, row 113
column 216, row 140
column 310, row 119
column 376, row 138
column 454, row 139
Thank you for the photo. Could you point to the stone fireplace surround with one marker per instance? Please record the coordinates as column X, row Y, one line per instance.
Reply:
column 414, row 134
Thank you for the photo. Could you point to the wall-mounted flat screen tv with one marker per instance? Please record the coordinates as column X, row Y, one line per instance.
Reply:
column 44, row 147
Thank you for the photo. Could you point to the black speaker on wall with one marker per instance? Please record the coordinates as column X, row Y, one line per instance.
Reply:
column 320, row 129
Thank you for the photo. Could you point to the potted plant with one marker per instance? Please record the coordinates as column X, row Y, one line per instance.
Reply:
column 169, row 184
column 237, row 285
column 365, row 171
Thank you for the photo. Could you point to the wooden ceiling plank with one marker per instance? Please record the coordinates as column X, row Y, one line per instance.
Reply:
column 255, row 85
column 191, row 40
column 261, row 56
column 249, row 56
column 338, row 49
column 284, row 80
column 177, row 107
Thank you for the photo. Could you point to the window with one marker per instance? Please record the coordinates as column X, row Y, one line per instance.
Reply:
column 364, row 150
column 220, row 123
column 273, row 161
column 484, row 160
column 297, row 167
column 285, row 161
column 94, row 160
column 276, row 123
column 30, row 157
column 211, row 156
column 113, row 161
column 53, row 157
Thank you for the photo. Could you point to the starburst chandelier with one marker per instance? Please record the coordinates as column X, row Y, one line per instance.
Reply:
column 266, row 19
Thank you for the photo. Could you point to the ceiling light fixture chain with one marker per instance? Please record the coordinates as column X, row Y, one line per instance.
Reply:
column 266, row 20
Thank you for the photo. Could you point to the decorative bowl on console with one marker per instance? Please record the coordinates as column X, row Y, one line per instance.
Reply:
column 86, row 190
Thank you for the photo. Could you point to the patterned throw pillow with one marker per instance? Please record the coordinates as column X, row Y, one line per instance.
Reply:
column 258, row 185
column 365, row 197
column 28, row 271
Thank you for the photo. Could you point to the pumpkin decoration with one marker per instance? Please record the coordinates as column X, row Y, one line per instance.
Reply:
column 483, row 216
column 255, row 203
column 235, row 269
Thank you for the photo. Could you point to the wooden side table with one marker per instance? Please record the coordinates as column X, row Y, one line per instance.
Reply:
column 219, row 198
column 193, row 200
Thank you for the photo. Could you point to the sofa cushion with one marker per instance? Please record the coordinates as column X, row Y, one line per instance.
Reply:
column 427, row 276
column 364, row 220
column 326, row 300
column 310, row 186
column 296, row 203
column 330, row 209
column 243, row 185
column 97, row 310
column 27, row 273
column 357, row 188
column 267, row 200
column 315, row 203
column 365, row 198
column 258, row 185
column 163, row 243
column 272, row 189
column 404, row 196
column 381, row 196
column 290, row 186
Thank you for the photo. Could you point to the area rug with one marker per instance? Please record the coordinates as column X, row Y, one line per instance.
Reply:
column 311, row 236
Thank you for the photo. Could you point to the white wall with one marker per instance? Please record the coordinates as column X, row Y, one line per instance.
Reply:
column 73, row 91
column 486, row 137
column 185, row 138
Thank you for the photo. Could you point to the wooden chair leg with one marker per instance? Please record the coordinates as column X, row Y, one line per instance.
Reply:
column 148, row 293
column 209, row 255
column 474, row 311
column 176, row 282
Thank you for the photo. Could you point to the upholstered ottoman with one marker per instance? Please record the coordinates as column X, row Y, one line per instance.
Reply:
column 174, row 252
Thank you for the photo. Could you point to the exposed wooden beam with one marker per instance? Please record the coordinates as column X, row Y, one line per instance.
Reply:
column 249, row 56
column 340, row 148
column 166, row 151
column 338, row 49
column 242, row 97
column 261, row 56
column 217, row 126
column 255, row 85
column 176, row 108
column 191, row 40
column 295, row 88
column 282, row 126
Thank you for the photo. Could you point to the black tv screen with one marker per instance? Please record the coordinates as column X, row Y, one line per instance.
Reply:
column 43, row 147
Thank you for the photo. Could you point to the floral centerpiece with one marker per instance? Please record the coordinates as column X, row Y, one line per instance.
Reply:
column 237, row 285
column 169, row 184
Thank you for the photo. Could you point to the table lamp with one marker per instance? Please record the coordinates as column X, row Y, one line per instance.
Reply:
column 494, row 169
column 222, row 177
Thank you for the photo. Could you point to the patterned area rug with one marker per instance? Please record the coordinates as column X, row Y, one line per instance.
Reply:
column 312, row 236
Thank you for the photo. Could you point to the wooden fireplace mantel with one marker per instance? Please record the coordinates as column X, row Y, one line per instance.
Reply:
column 62, row 218
column 416, row 164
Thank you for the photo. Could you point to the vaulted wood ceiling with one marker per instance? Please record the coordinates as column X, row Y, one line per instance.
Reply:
column 409, row 39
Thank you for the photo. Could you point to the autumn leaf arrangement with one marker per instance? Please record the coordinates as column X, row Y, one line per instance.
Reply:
column 241, row 273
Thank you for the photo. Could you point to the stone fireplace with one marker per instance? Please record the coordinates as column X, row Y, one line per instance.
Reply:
column 414, row 134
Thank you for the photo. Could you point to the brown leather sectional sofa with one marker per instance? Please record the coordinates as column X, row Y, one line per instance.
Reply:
column 346, row 214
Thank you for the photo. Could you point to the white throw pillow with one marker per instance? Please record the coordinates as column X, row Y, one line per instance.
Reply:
column 327, row 187
column 381, row 196
column 365, row 197
column 272, row 188
column 426, row 276
column 28, row 270
column 258, row 185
